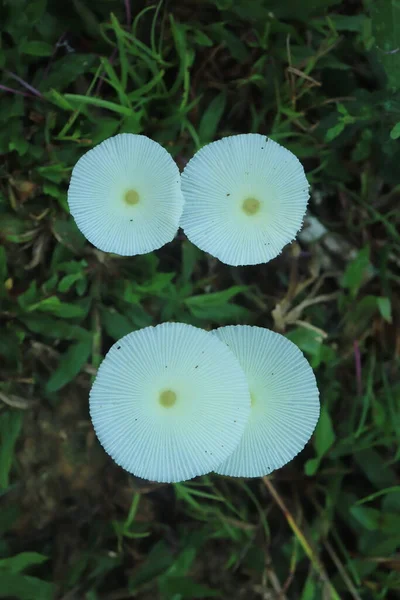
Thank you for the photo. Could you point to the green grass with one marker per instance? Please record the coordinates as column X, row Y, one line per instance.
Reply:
column 322, row 77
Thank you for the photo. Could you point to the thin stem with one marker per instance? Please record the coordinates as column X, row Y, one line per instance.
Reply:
column 357, row 360
column 128, row 12
column 12, row 91
column 301, row 538
column 25, row 84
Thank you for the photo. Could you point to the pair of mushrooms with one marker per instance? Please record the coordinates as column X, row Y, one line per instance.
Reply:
column 242, row 198
column 173, row 401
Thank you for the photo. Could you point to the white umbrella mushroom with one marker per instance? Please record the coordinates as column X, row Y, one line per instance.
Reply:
column 284, row 400
column 245, row 199
column 125, row 195
column 169, row 402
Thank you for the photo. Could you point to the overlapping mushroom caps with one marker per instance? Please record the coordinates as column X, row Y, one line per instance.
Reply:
column 170, row 402
column 125, row 195
column 284, row 400
column 245, row 199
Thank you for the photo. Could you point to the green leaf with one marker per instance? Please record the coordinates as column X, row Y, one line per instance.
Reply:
column 324, row 438
column 70, row 365
column 216, row 298
column 158, row 283
column 307, row 340
column 359, row 316
column 190, row 255
column 68, row 281
column 377, row 543
column 394, row 499
column 66, row 70
column 88, row 18
column 215, row 306
column 293, row 9
column 348, row 23
column 211, row 118
column 36, row 48
column 377, row 470
column 81, row 286
column 23, row 587
column 105, row 128
column 34, row 11
column 248, row 11
column 11, row 107
column 29, row 296
column 311, row 466
column 10, row 428
column 334, row 131
column 386, row 31
column 200, row 38
column 3, row 270
column 367, row 517
column 15, row 230
column 68, row 234
column 19, row 562
column 54, row 328
column 309, row 591
column 395, row 132
column 75, row 100
column 9, row 345
column 55, row 173
column 310, row 342
column 52, row 190
column 357, row 271
column 58, row 99
column 224, row 35
column 72, row 266
column 8, row 515
column 60, row 309
column 137, row 315
column 115, row 324
column 158, row 561
column 385, row 308
column 184, row 587
column 324, row 435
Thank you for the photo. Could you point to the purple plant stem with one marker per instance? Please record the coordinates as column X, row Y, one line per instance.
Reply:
column 357, row 360
column 55, row 49
column 25, row 84
column 12, row 91
column 128, row 12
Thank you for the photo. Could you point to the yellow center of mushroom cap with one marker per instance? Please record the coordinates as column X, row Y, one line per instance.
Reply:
column 252, row 399
column 251, row 206
column 167, row 398
column 131, row 197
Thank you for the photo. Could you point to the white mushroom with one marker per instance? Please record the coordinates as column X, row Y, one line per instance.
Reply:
column 245, row 199
column 284, row 400
column 125, row 195
column 169, row 402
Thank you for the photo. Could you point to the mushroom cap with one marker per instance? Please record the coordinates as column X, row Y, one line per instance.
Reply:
column 125, row 195
column 245, row 199
column 169, row 402
column 285, row 400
